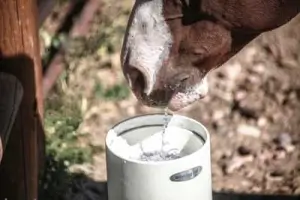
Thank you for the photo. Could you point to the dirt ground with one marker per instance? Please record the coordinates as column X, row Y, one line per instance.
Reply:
column 252, row 110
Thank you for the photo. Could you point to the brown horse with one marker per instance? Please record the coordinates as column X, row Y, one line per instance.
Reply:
column 171, row 45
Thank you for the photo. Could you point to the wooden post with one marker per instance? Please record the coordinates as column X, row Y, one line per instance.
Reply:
column 19, row 56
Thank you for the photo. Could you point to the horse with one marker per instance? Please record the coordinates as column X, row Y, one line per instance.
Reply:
column 170, row 46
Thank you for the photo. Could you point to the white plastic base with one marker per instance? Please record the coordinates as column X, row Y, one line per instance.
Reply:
column 188, row 177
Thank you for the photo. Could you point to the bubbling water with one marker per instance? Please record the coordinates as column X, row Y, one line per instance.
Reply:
column 167, row 144
column 162, row 155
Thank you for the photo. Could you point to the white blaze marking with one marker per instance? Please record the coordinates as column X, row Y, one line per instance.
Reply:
column 149, row 40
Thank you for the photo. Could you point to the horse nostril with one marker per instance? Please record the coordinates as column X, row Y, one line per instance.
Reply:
column 137, row 79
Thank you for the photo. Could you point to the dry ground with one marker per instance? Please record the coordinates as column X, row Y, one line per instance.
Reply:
column 252, row 110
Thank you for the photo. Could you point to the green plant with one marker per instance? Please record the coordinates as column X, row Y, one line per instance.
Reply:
column 114, row 93
column 62, row 120
column 62, row 137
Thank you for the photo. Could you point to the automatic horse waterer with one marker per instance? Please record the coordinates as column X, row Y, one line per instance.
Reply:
column 185, row 174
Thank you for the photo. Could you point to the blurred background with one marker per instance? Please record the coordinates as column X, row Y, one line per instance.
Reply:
column 252, row 110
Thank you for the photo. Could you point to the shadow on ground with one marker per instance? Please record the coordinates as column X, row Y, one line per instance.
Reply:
column 88, row 189
column 236, row 196
column 57, row 182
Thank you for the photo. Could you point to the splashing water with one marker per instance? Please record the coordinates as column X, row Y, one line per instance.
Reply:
column 150, row 148
column 166, row 122
column 162, row 155
column 164, row 145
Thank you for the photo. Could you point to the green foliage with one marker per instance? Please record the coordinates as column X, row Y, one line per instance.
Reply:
column 62, row 137
column 114, row 93
column 62, row 120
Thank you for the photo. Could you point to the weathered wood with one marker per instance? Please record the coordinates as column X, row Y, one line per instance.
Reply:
column 11, row 92
column 19, row 56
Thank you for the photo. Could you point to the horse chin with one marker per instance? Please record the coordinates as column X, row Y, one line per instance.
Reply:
column 188, row 96
column 180, row 101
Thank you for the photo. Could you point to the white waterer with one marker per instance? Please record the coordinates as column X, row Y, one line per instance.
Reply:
column 184, row 178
